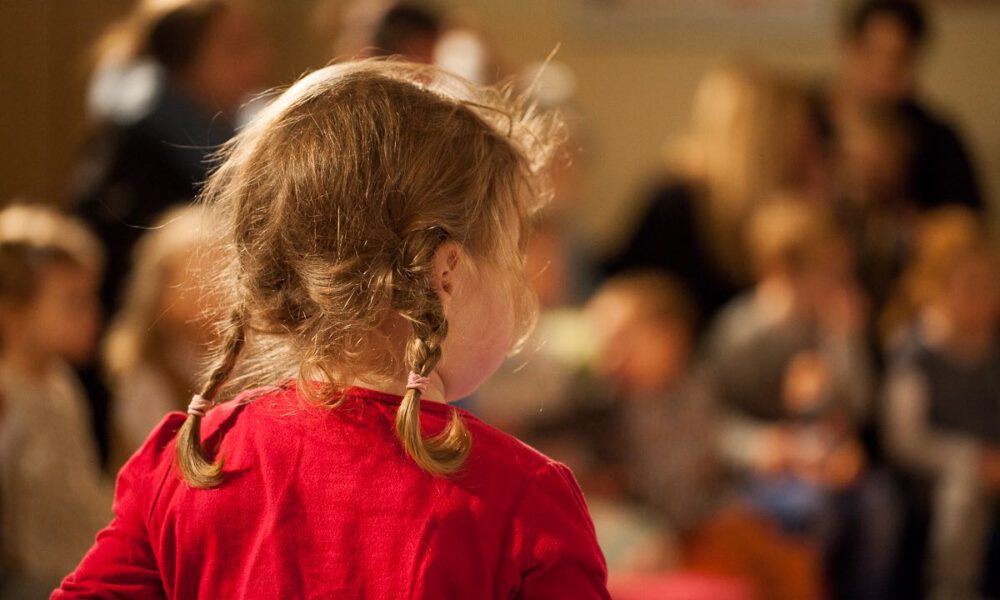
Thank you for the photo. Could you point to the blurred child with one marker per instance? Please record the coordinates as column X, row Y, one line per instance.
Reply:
column 644, row 324
column 374, row 215
column 53, row 496
column 160, row 340
column 943, row 392
column 790, row 365
column 669, row 433
column 806, row 298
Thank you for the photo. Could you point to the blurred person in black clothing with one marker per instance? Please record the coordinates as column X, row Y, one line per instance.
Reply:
column 882, row 44
column 166, row 91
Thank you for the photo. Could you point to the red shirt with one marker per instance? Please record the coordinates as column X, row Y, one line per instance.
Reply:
column 324, row 503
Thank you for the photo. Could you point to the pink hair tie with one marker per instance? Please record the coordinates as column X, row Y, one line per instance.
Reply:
column 417, row 382
column 199, row 405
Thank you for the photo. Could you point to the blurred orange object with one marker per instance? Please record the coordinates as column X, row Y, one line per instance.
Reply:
column 678, row 586
column 740, row 544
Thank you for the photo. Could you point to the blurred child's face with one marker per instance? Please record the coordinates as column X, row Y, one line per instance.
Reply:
column 639, row 353
column 62, row 319
column 972, row 294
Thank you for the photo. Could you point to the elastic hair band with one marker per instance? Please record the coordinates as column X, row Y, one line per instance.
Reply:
column 417, row 382
column 199, row 405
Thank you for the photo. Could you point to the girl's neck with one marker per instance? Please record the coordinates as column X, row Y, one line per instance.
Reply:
column 435, row 391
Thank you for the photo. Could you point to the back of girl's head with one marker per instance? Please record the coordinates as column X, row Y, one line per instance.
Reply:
column 333, row 203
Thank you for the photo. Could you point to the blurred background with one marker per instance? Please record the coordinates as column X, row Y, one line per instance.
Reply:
column 769, row 277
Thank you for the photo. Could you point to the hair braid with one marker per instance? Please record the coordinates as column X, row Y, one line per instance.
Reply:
column 444, row 453
column 195, row 466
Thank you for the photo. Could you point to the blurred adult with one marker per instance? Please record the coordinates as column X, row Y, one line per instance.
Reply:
column 166, row 91
column 753, row 132
column 883, row 42
column 168, row 85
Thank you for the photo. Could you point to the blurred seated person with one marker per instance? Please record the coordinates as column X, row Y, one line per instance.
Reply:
column 166, row 91
column 54, row 497
column 789, row 364
column 882, row 44
column 942, row 392
column 753, row 132
column 667, row 429
column 157, row 343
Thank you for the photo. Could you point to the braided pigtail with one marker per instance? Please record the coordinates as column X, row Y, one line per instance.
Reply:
column 417, row 302
column 444, row 453
column 196, row 469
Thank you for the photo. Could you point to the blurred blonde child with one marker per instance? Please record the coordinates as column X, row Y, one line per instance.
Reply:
column 54, row 498
column 790, row 364
column 943, row 390
column 159, row 341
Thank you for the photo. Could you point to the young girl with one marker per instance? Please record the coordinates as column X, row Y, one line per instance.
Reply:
column 54, row 498
column 375, row 215
column 160, row 339
column 942, row 392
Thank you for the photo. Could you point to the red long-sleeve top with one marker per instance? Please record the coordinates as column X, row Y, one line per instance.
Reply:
column 323, row 503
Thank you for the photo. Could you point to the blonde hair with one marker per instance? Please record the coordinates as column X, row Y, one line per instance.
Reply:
column 740, row 149
column 333, row 203
column 944, row 237
column 135, row 336
column 790, row 233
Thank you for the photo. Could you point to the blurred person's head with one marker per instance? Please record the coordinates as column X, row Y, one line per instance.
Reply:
column 645, row 325
column 753, row 131
column 210, row 48
column 799, row 245
column 409, row 30
column 50, row 266
column 875, row 154
column 168, row 303
column 881, row 44
column 954, row 277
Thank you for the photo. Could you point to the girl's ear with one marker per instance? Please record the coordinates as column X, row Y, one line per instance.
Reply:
column 446, row 263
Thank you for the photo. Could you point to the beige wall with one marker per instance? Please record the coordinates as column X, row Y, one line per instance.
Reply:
column 636, row 80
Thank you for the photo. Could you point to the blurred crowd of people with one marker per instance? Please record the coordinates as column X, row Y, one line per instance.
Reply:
column 784, row 384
